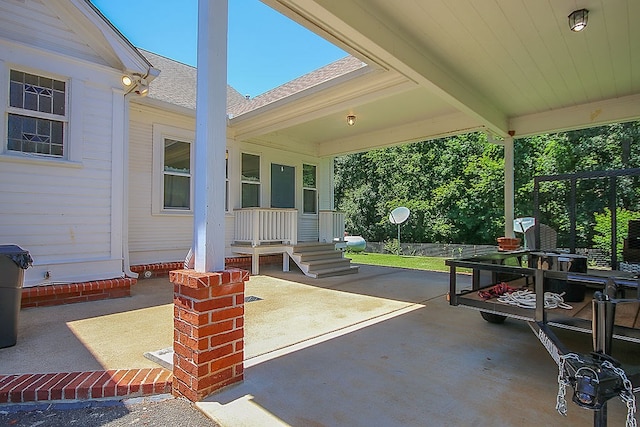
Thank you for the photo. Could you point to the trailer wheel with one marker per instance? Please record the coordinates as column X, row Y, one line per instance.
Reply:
column 492, row 318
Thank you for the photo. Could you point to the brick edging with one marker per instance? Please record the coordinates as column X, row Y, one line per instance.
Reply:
column 242, row 262
column 116, row 383
column 69, row 293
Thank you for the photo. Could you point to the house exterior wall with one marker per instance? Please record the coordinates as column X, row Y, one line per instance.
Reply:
column 159, row 237
column 33, row 23
column 61, row 209
column 153, row 237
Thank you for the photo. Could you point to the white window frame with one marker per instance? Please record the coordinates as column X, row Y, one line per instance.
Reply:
column 258, row 183
column 314, row 189
column 227, row 184
column 67, row 150
column 160, row 133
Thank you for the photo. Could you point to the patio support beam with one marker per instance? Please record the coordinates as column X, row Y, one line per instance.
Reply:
column 211, row 136
column 508, row 187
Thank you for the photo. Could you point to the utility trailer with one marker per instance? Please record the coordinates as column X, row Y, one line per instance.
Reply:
column 609, row 310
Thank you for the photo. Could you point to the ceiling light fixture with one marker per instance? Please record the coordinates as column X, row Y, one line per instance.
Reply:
column 578, row 20
column 351, row 120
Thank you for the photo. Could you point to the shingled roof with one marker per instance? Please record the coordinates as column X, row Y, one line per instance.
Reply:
column 314, row 78
column 176, row 84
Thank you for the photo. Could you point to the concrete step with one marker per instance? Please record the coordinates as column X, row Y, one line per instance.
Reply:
column 327, row 263
column 313, row 247
column 316, row 255
column 321, row 260
column 352, row 269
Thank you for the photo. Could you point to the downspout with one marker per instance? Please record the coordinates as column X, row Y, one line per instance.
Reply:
column 126, row 264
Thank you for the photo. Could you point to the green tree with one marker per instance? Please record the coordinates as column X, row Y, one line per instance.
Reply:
column 602, row 229
column 454, row 186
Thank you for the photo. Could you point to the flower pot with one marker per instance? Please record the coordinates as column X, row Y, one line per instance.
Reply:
column 508, row 243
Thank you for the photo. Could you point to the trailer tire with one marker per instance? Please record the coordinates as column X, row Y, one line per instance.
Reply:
column 493, row 318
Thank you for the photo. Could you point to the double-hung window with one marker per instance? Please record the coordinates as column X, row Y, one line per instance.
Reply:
column 37, row 114
column 309, row 190
column 250, row 180
column 173, row 161
column 177, row 175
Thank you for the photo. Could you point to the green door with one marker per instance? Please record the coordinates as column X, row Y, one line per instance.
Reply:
column 283, row 186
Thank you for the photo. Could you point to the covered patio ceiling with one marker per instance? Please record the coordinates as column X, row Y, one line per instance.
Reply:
column 440, row 67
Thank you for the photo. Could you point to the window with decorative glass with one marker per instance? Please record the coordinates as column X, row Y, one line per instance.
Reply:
column 309, row 190
column 37, row 114
column 250, row 180
column 177, row 175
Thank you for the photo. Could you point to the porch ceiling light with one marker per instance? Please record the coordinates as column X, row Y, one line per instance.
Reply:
column 351, row 120
column 578, row 20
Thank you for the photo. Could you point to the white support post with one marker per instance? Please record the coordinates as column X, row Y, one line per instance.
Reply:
column 255, row 227
column 508, row 187
column 211, row 136
column 255, row 263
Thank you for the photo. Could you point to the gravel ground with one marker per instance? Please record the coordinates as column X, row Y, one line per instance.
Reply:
column 158, row 411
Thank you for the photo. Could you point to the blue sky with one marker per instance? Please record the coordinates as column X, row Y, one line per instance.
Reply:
column 266, row 49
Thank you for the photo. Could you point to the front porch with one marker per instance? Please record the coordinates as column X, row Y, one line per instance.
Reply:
column 266, row 231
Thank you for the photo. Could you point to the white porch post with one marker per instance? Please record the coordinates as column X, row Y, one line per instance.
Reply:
column 211, row 135
column 508, row 187
column 327, row 187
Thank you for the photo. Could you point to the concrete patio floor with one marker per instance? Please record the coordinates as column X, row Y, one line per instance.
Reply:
column 377, row 348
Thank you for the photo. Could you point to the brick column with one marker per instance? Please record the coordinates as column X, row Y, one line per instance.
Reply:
column 208, row 336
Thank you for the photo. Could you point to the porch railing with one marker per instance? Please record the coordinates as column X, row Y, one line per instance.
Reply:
column 331, row 226
column 265, row 225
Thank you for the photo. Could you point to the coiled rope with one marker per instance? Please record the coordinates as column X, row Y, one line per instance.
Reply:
column 527, row 299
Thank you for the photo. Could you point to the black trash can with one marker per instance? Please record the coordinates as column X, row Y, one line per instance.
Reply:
column 13, row 261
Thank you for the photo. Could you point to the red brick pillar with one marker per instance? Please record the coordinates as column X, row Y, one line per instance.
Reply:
column 208, row 335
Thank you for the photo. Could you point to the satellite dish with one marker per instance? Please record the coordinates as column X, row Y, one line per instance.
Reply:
column 520, row 225
column 399, row 215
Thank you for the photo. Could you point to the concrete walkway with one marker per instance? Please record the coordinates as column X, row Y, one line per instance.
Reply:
column 377, row 348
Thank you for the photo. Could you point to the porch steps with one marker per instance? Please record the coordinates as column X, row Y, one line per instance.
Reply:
column 319, row 260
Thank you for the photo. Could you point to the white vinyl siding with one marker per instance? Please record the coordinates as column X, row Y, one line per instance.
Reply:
column 307, row 228
column 153, row 237
column 36, row 23
column 62, row 212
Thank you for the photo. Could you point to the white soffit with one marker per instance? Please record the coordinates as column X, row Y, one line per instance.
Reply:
column 500, row 62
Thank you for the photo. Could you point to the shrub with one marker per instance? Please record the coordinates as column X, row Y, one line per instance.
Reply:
column 392, row 246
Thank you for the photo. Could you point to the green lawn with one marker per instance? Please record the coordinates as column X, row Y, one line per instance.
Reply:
column 404, row 261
